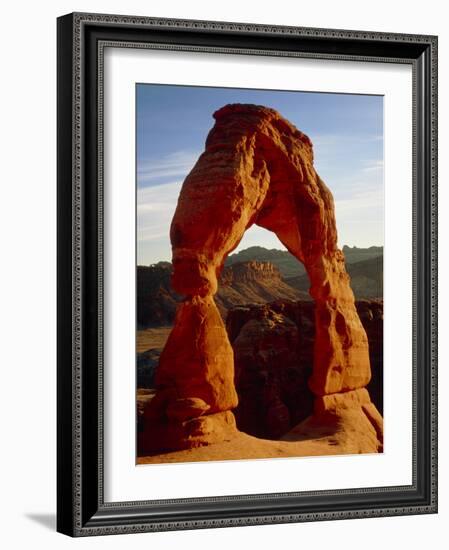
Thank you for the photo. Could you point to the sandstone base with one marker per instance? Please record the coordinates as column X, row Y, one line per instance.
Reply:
column 346, row 430
column 195, row 432
column 343, row 419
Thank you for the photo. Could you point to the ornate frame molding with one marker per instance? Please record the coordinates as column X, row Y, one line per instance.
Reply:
column 81, row 508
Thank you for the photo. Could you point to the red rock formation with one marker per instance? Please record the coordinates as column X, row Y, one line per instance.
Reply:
column 196, row 367
column 273, row 360
column 247, row 272
column 346, row 412
column 246, row 282
column 252, row 282
column 256, row 168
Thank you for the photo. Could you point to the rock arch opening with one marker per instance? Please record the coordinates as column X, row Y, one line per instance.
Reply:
column 271, row 331
column 257, row 168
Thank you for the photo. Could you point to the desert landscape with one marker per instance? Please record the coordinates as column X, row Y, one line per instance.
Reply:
column 259, row 353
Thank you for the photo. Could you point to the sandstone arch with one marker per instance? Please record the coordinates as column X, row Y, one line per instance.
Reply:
column 257, row 168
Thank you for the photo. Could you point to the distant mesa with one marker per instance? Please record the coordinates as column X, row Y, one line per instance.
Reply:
column 366, row 277
column 250, row 282
column 156, row 301
column 289, row 266
column 253, row 276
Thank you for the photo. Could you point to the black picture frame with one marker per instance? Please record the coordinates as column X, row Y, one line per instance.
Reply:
column 81, row 510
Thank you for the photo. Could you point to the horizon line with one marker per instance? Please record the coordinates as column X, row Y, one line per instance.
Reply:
column 270, row 250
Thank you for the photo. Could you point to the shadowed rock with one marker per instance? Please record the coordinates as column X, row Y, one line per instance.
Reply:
column 273, row 359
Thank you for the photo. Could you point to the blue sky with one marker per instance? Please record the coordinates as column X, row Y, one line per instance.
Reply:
column 346, row 131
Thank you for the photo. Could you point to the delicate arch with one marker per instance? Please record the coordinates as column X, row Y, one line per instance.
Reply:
column 257, row 168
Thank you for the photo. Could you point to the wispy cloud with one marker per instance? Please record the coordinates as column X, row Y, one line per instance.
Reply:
column 323, row 141
column 373, row 166
column 173, row 165
column 360, row 217
column 155, row 208
column 359, row 205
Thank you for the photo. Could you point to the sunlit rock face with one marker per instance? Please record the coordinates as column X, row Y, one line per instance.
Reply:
column 257, row 168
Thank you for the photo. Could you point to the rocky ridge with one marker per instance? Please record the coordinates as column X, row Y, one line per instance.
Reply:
column 252, row 281
column 240, row 283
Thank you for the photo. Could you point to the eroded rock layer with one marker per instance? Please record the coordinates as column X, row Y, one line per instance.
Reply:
column 273, row 361
column 257, row 168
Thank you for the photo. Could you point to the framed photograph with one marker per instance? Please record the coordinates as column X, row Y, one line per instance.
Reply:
column 247, row 280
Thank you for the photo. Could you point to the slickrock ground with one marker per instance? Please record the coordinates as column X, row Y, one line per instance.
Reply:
column 344, row 423
column 347, row 434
